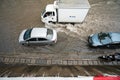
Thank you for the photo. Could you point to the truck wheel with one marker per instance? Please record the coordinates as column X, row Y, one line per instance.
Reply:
column 54, row 22
column 73, row 24
column 50, row 22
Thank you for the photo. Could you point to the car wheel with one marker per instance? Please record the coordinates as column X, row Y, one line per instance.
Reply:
column 23, row 44
column 108, row 46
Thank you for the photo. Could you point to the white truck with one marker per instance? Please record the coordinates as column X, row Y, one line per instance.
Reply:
column 66, row 11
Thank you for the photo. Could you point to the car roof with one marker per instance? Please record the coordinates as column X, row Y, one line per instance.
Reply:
column 115, row 36
column 39, row 33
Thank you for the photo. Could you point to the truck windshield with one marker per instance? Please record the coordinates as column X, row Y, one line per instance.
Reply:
column 27, row 34
column 43, row 12
column 49, row 34
column 47, row 14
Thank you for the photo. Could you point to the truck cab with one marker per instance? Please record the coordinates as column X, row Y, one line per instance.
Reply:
column 49, row 15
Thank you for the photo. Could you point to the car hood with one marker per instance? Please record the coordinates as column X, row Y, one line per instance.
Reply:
column 21, row 37
column 95, row 40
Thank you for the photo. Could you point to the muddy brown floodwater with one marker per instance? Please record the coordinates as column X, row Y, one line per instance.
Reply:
column 16, row 15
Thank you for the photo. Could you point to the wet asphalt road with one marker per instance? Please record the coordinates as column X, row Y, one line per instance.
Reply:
column 18, row 15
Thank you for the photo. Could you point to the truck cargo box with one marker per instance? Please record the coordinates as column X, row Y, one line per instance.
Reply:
column 72, row 10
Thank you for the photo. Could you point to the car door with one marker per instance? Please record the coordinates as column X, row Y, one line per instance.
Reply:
column 115, row 44
column 32, row 41
column 43, row 41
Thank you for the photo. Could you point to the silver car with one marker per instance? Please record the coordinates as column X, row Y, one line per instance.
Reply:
column 38, row 36
column 109, row 39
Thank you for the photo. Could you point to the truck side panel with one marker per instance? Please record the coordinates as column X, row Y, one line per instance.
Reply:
column 72, row 15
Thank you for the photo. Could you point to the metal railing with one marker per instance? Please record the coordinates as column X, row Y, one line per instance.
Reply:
column 38, row 61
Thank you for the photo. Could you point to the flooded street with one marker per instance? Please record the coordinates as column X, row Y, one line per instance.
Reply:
column 72, row 39
column 72, row 44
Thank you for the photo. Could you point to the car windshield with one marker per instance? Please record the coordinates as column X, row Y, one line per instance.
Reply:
column 27, row 34
column 49, row 34
column 104, row 38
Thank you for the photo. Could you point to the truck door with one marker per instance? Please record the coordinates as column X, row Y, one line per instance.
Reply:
column 49, row 17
